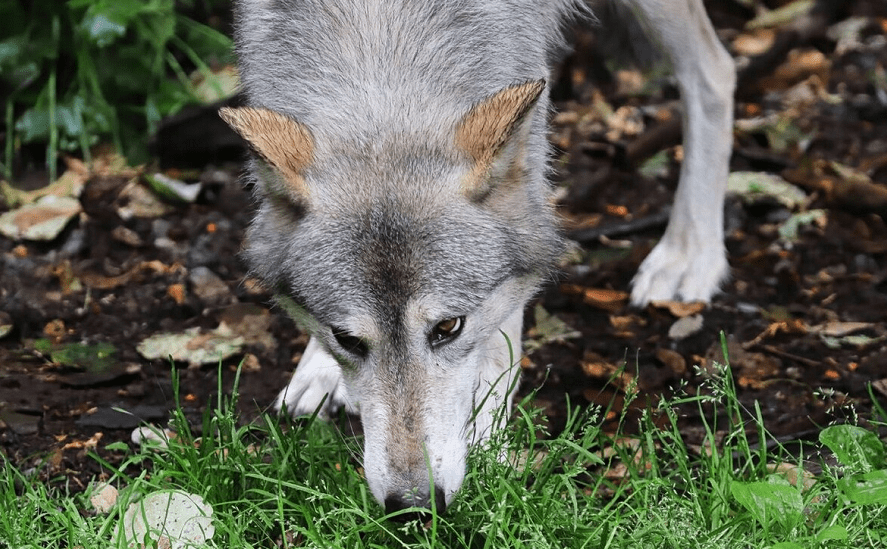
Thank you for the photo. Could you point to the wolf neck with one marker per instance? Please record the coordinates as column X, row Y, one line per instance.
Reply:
column 370, row 66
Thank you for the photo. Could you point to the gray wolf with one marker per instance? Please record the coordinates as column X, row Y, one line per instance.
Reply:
column 400, row 167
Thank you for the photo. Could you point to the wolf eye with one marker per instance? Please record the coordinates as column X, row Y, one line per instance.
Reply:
column 350, row 343
column 446, row 330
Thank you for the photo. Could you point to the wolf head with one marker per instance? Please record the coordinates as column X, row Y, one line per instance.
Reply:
column 408, row 254
column 400, row 168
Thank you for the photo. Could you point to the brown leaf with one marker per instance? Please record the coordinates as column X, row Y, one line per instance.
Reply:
column 679, row 308
column 601, row 298
column 755, row 42
column 673, row 360
column 800, row 64
column 55, row 330
column 177, row 293
column 596, row 366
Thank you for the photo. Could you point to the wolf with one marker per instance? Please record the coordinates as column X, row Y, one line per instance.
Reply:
column 400, row 166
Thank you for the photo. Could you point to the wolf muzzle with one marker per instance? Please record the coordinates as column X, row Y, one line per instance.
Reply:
column 399, row 502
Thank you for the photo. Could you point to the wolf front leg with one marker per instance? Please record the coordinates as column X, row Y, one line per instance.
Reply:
column 689, row 263
column 317, row 384
column 498, row 378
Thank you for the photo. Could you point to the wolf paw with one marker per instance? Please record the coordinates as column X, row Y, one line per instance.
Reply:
column 676, row 273
column 318, row 375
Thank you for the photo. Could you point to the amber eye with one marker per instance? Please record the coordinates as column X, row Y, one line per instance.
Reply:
column 350, row 343
column 446, row 330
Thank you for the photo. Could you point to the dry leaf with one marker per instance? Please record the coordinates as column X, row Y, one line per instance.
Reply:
column 840, row 329
column 601, row 298
column 679, row 308
column 755, row 42
column 685, row 327
column 103, row 498
column 596, row 366
column 673, row 360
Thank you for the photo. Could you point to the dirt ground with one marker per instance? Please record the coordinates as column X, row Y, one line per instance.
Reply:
column 805, row 312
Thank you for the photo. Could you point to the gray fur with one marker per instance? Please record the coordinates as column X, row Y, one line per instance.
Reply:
column 379, row 86
column 381, row 240
column 382, row 86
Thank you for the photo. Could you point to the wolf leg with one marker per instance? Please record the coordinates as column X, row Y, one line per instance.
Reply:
column 689, row 263
column 498, row 377
column 317, row 376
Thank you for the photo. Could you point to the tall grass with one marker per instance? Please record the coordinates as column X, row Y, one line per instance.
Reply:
column 282, row 483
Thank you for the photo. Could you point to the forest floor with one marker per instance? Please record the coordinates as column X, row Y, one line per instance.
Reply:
column 804, row 313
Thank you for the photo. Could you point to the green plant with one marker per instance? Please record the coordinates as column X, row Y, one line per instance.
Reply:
column 298, row 483
column 81, row 71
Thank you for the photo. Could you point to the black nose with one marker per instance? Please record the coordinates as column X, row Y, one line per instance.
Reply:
column 398, row 502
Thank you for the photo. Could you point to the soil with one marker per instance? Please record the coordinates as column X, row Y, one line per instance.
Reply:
column 803, row 316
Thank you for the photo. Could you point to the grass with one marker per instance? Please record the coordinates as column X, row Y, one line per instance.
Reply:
column 299, row 484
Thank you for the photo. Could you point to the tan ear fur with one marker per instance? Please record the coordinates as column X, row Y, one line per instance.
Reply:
column 488, row 126
column 281, row 141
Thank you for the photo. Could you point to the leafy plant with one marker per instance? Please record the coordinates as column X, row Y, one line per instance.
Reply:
column 862, row 454
column 78, row 72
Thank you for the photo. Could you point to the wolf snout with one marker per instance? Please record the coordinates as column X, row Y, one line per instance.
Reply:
column 399, row 501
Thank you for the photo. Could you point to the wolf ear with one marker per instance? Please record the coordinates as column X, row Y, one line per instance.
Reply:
column 281, row 141
column 488, row 127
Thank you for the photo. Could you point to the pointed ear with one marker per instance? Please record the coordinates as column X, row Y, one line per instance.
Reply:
column 487, row 128
column 281, row 141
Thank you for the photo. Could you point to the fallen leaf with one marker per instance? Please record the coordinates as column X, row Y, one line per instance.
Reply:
column 795, row 475
column 249, row 321
column 548, row 329
column 782, row 15
column 754, row 43
column 601, row 298
column 685, row 327
column 103, row 498
column 137, row 201
column 42, row 220
column 858, row 341
column 754, row 370
column 840, row 329
column 87, row 444
column 752, row 186
column 55, row 331
column 799, row 65
column 192, row 346
column 70, row 184
column 789, row 229
column 596, row 366
column 624, row 326
column 177, row 293
column 127, row 236
column 251, row 363
column 172, row 518
column 94, row 358
column 672, row 360
column 679, row 308
column 101, row 282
